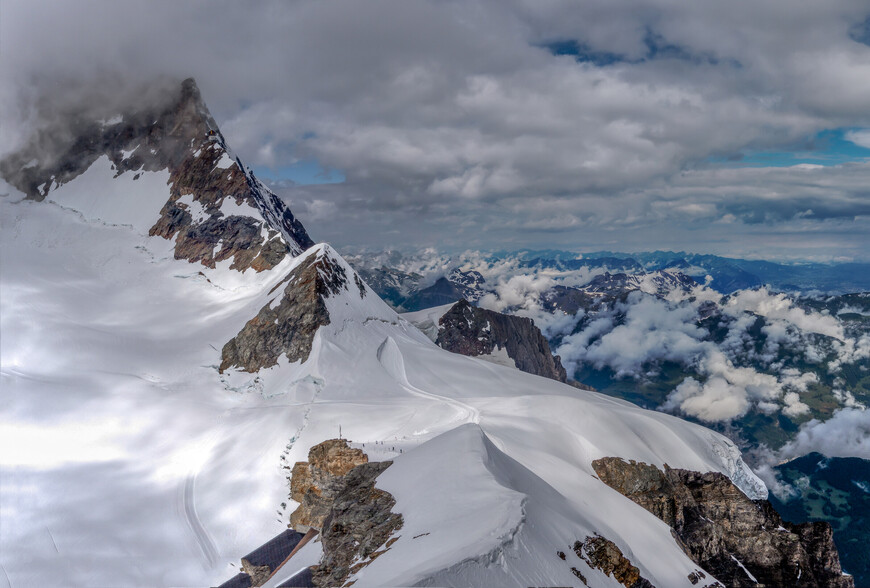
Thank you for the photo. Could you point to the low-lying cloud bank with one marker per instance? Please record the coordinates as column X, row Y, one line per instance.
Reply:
column 634, row 336
column 753, row 356
column 846, row 434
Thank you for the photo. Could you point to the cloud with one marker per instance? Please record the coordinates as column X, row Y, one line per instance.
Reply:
column 846, row 434
column 779, row 307
column 458, row 120
column 728, row 392
column 715, row 400
column 859, row 137
column 653, row 330
column 635, row 336
column 788, row 324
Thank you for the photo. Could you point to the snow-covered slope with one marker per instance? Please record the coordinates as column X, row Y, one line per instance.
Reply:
column 128, row 459
column 140, row 443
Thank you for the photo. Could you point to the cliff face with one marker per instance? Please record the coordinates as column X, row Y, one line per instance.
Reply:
column 359, row 528
column 337, row 496
column 742, row 542
column 475, row 331
column 217, row 210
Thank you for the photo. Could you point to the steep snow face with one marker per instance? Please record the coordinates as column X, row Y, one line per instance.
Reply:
column 127, row 459
column 100, row 197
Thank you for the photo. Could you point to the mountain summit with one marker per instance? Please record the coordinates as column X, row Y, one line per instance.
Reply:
column 213, row 207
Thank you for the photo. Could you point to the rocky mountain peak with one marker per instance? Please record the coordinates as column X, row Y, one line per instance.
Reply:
column 470, row 279
column 319, row 285
column 474, row 331
column 215, row 208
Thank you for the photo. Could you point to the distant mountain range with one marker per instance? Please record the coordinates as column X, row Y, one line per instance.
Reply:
column 728, row 274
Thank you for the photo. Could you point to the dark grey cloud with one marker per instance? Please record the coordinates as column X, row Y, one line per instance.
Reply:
column 586, row 123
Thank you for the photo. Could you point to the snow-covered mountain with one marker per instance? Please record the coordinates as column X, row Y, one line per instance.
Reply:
column 156, row 392
column 175, row 177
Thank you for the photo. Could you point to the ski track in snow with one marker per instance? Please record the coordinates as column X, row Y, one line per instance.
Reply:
column 394, row 363
column 209, row 551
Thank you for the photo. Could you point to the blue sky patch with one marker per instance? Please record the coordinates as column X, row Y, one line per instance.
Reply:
column 303, row 173
column 829, row 147
column 583, row 53
column 657, row 47
column 860, row 32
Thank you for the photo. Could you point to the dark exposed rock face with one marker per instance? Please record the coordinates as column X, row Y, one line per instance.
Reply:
column 358, row 528
column 237, row 217
column 289, row 327
column 476, row 331
column 720, row 528
column 337, row 496
column 604, row 555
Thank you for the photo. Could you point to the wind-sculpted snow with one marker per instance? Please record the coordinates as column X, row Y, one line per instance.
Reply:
column 504, row 525
column 121, row 437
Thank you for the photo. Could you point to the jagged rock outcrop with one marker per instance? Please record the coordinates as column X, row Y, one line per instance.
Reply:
column 477, row 331
column 603, row 554
column 359, row 528
column 288, row 328
column 315, row 483
column 742, row 542
column 217, row 210
column 336, row 492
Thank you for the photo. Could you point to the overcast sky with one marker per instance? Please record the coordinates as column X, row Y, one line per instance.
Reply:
column 738, row 128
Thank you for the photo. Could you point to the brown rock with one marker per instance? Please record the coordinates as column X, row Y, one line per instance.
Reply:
column 289, row 327
column 315, row 483
column 604, row 555
column 720, row 528
column 359, row 527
